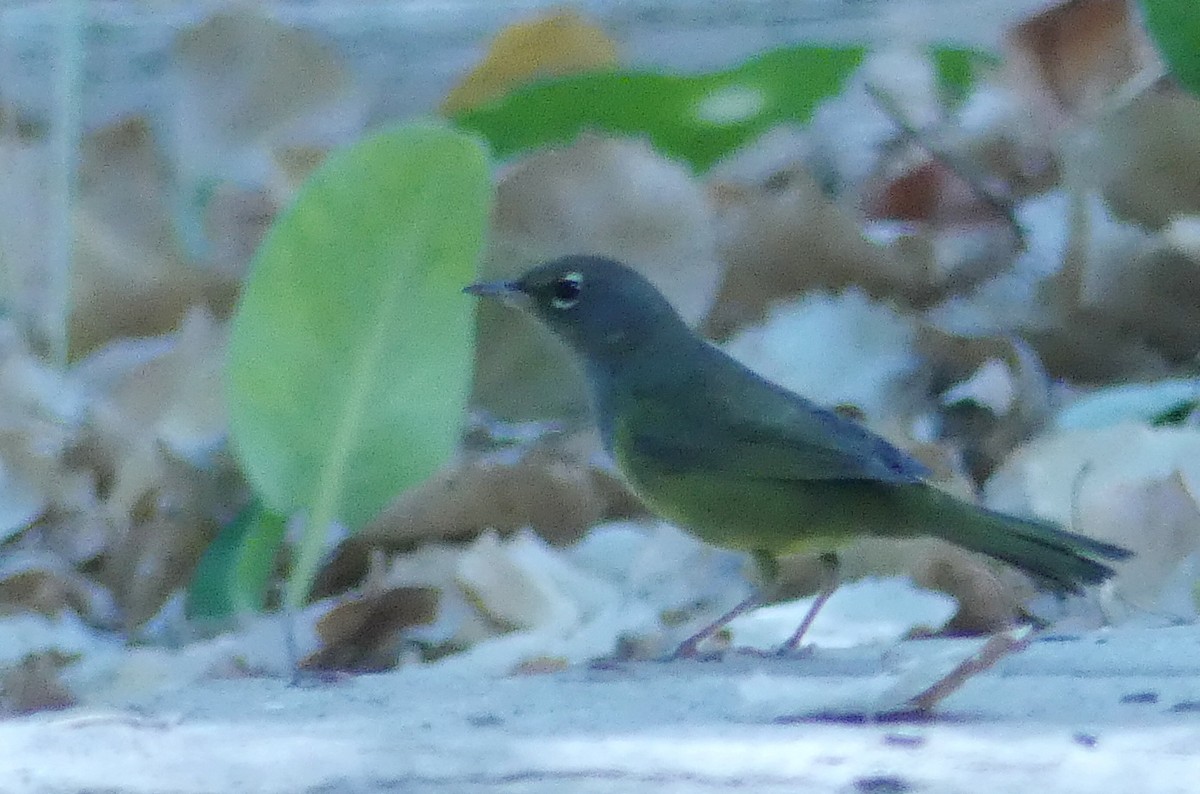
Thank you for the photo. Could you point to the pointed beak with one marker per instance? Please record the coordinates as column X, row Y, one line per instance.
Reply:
column 507, row 292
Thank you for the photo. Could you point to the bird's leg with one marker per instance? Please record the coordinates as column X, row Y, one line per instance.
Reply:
column 829, row 568
column 688, row 647
column 769, row 571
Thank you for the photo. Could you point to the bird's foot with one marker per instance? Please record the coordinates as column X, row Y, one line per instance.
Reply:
column 793, row 651
column 690, row 649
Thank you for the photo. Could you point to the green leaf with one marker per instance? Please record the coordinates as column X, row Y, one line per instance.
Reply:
column 350, row 353
column 958, row 69
column 235, row 571
column 696, row 118
column 1175, row 28
column 1176, row 416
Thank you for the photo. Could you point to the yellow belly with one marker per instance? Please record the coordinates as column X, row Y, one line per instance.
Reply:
column 777, row 516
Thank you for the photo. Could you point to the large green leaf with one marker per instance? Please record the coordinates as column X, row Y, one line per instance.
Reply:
column 696, row 118
column 350, row 352
column 1175, row 26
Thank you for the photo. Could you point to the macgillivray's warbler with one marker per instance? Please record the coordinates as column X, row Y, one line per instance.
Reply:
column 746, row 464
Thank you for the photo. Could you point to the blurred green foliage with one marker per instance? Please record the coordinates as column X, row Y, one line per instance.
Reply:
column 235, row 573
column 958, row 70
column 1175, row 27
column 694, row 118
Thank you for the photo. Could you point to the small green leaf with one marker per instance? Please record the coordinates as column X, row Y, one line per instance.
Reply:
column 235, row 572
column 350, row 353
column 1175, row 416
column 958, row 69
column 696, row 118
column 1175, row 27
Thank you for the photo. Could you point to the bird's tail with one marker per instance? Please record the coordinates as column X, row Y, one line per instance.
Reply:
column 1061, row 561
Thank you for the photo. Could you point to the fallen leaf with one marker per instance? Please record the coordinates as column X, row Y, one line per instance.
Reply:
column 34, row 685
column 362, row 634
column 43, row 583
column 1070, row 58
column 554, row 44
column 243, row 83
column 1128, row 484
column 130, row 275
column 786, row 236
column 551, row 487
column 838, row 348
column 1142, row 153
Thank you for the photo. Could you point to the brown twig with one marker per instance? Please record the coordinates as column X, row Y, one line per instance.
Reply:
column 993, row 651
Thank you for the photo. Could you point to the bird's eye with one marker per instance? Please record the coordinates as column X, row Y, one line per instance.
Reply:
column 565, row 291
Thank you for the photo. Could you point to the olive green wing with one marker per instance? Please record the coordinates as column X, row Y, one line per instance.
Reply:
column 759, row 430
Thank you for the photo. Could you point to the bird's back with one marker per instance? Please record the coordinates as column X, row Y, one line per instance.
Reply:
column 695, row 408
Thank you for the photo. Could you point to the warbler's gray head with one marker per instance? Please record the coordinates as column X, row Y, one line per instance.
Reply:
column 602, row 308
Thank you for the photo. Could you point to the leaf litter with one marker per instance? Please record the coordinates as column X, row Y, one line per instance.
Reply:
column 852, row 259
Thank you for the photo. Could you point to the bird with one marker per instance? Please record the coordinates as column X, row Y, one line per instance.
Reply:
column 745, row 464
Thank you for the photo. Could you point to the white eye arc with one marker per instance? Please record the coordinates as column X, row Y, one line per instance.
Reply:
column 565, row 290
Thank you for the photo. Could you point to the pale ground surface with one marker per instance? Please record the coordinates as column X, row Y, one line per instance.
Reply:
column 1101, row 712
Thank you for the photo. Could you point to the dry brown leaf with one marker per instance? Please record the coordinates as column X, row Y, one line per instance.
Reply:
column 927, row 191
column 127, row 275
column 784, row 237
column 1121, row 282
column 615, row 198
column 1068, row 60
column 552, row 488
column 989, row 600
column 130, row 276
column 362, row 634
column 43, row 486
column 1156, row 297
column 44, row 583
column 548, row 489
column 555, row 44
column 994, row 394
column 293, row 165
column 37, row 590
column 244, row 84
column 156, row 547
column 34, row 685
column 155, row 442
column 33, row 284
column 173, row 388
column 1145, row 154
column 1053, row 294
column 246, row 75
column 236, row 219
